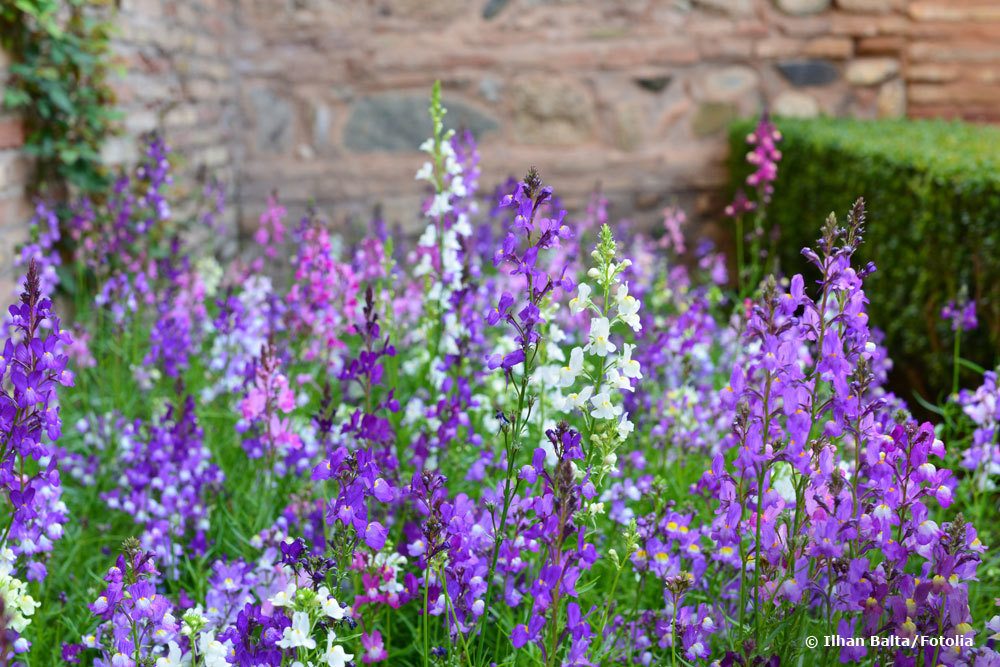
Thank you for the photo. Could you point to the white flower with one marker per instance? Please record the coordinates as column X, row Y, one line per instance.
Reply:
column 335, row 656
column 426, row 172
column 578, row 400
column 440, row 205
column 600, row 330
column 429, row 238
column 630, row 367
column 329, row 605
column 16, row 601
column 462, row 226
column 284, row 598
column 603, row 408
column 619, row 381
column 581, row 301
column 214, row 651
column 173, row 657
column 628, row 308
column 548, row 376
column 297, row 635
column 625, row 428
column 569, row 372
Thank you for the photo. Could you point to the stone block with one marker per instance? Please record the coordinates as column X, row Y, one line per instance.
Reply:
column 868, row 6
column 891, row 101
column 836, row 48
column 802, row 7
column 13, row 170
column 778, row 47
column 321, row 118
column 654, row 83
column 422, row 10
column 732, row 7
column 812, row 72
column 727, row 83
column 398, row 122
column 795, row 104
column 120, row 150
column 551, row 111
column 713, row 117
column 629, row 125
column 275, row 121
column 871, row 71
column 492, row 8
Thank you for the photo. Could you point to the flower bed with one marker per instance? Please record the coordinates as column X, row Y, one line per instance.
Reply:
column 522, row 440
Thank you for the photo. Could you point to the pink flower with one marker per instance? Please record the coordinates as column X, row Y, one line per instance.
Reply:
column 374, row 647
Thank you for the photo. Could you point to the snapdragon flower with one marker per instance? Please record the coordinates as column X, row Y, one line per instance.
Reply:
column 982, row 408
column 265, row 409
column 961, row 315
column 32, row 368
column 134, row 619
column 614, row 368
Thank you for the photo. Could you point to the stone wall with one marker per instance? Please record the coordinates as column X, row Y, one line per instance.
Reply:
column 13, row 177
column 326, row 100
column 634, row 95
column 178, row 80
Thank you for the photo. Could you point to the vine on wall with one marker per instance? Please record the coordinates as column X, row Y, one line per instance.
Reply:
column 58, row 84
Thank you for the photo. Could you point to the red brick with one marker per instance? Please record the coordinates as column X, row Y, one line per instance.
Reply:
column 932, row 73
column 11, row 132
column 962, row 94
column 837, row 48
column 882, row 45
column 869, row 26
column 955, row 10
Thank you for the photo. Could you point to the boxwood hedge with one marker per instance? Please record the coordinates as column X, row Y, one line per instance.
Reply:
column 933, row 194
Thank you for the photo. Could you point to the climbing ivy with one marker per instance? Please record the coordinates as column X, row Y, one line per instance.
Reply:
column 59, row 85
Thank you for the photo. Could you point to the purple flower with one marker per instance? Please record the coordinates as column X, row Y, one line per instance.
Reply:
column 961, row 314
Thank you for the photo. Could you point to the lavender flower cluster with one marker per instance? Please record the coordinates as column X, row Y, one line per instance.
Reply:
column 524, row 440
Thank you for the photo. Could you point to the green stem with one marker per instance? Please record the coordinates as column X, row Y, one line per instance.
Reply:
column 449, row 607
column 427, row 585
column 739, row 255
column 955, row 360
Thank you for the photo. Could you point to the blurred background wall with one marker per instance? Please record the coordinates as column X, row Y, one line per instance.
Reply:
column 326, row 100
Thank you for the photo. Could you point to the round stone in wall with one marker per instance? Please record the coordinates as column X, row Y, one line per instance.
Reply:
column 872, row 71
column 802, row 7
column 795, row 104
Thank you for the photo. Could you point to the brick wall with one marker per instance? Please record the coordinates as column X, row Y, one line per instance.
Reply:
column 326, row 101
column 953, row 59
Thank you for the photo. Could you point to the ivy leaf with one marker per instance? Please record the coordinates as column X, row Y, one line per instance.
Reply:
column 61, row 99
column 14, row 98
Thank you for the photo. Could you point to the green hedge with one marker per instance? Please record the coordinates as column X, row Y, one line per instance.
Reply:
column 933, row 194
